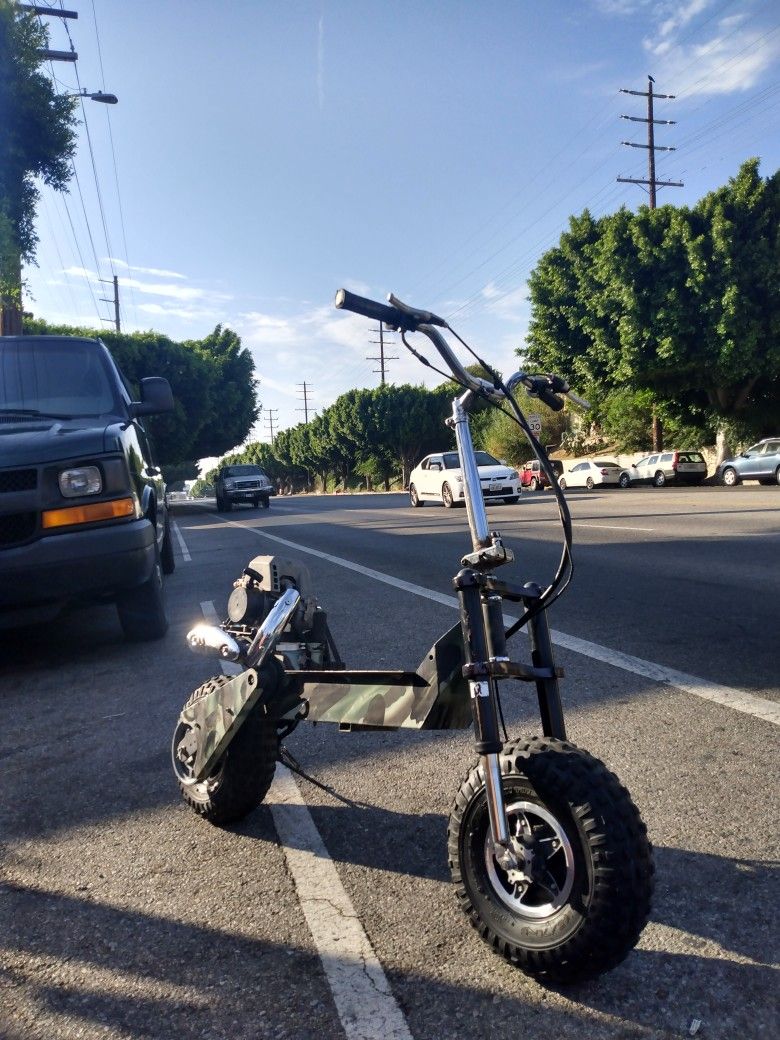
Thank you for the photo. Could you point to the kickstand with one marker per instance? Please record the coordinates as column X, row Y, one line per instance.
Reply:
column 288, row 759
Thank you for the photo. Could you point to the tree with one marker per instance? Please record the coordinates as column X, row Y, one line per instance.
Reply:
column 681, row 302
column 37, row 141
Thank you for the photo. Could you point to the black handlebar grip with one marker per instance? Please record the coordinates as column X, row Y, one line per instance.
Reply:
column 550, row 399
column 348, row 301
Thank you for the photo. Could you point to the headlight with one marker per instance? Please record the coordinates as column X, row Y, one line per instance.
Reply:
column 229, row 485
column 84, row 480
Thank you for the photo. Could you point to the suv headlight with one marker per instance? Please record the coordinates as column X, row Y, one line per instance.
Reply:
column 229, row 485
column 80, row 481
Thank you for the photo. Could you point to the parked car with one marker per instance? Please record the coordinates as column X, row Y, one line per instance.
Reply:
column 591, row 474
column 83, row 516
column 760, row 462
column 533, row 477
column 438, row 478
column 243, row 483
column 681, row 467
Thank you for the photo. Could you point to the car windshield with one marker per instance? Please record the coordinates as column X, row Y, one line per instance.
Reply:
column 606, row 465
column 452, row 459
column 59, row 378
column 244, row 471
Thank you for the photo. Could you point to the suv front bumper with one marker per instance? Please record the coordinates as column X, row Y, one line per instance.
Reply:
column 88, row 564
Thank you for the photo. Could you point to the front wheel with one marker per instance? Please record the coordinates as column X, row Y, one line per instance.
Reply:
column 534, row 485
column 589, row 483
column 414, row 498
column 512, row 500
column 241, row 777
column 729, row 477
column 141, row 610
column 265, row 502
column 446, row 496
column 659, row 479
column 581, row 896
column 562, row 484
column 625, row 480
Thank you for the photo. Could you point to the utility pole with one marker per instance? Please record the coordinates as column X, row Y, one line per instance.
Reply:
column 305, row 391
column 115, row 301
column 381, row 359
column 272, row 414
column 651, row 146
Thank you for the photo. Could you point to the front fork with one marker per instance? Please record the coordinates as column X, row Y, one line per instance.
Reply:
column 482, row 622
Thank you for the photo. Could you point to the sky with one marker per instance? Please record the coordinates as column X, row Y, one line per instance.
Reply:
column 264, row 153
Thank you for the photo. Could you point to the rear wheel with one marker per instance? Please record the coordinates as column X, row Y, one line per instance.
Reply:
column 659, row 479
column 581, row 895
column 414, row 498
column 534, row 485
column 141, row 610
column 777, row 475
column 242, row 776
column 446, row 496
column 729, row 477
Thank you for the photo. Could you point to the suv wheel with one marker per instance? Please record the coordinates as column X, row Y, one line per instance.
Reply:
column 265, row 501
column 142, row 610
column 659, row 479
column 166, row 553
column 729, row 477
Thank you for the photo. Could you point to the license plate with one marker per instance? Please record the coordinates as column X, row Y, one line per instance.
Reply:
column 495, row 485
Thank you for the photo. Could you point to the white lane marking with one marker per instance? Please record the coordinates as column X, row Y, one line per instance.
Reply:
column 612, row 527
column 185, row 553
column 730, row 697
column 362, row 995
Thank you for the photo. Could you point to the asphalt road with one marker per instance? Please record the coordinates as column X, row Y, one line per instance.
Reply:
column 124, row 915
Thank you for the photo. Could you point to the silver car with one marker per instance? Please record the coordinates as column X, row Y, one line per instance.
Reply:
column 760, row 462
column 679, row 467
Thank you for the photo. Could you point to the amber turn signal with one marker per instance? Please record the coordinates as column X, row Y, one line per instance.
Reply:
column 118, row 507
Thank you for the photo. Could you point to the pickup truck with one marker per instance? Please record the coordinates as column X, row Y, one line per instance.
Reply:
column 83, row 517
column 242, row 482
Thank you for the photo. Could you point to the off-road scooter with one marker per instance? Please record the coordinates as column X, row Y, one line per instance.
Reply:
column 548, row 854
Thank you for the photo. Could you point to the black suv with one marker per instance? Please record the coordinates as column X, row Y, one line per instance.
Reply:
column 82, row 503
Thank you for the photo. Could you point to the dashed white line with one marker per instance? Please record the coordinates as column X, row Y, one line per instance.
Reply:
column 364, row 1001
column 739, row 700
column 185, row 553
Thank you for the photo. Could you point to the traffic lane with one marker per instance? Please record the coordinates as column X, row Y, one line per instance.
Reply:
column 390, row 848
column 121, row 912
column 670, row 572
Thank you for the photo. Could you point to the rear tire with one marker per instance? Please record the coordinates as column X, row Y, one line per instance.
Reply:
column 777, row 475
column 141, row 610
column 586, row 897
column 242, row 777
column 414, row 498
column 534, row 485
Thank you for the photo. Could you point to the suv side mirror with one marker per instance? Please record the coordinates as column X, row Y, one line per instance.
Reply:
column 156, row 397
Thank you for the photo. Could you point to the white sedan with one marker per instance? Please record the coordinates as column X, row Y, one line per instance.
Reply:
column 438, row 478
column 590, row 475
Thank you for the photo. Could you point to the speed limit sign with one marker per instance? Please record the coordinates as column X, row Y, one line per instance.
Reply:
column 535, row 422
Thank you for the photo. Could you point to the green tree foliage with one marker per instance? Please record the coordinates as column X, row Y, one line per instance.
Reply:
column 378, row 435
column 212, row 381
column 681, row 302
column 38, row 125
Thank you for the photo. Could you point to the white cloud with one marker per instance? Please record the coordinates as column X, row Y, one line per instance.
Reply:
column 156, row 271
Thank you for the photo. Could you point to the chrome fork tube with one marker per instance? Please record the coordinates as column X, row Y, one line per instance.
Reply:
column 494, row 793
column 475, row 503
